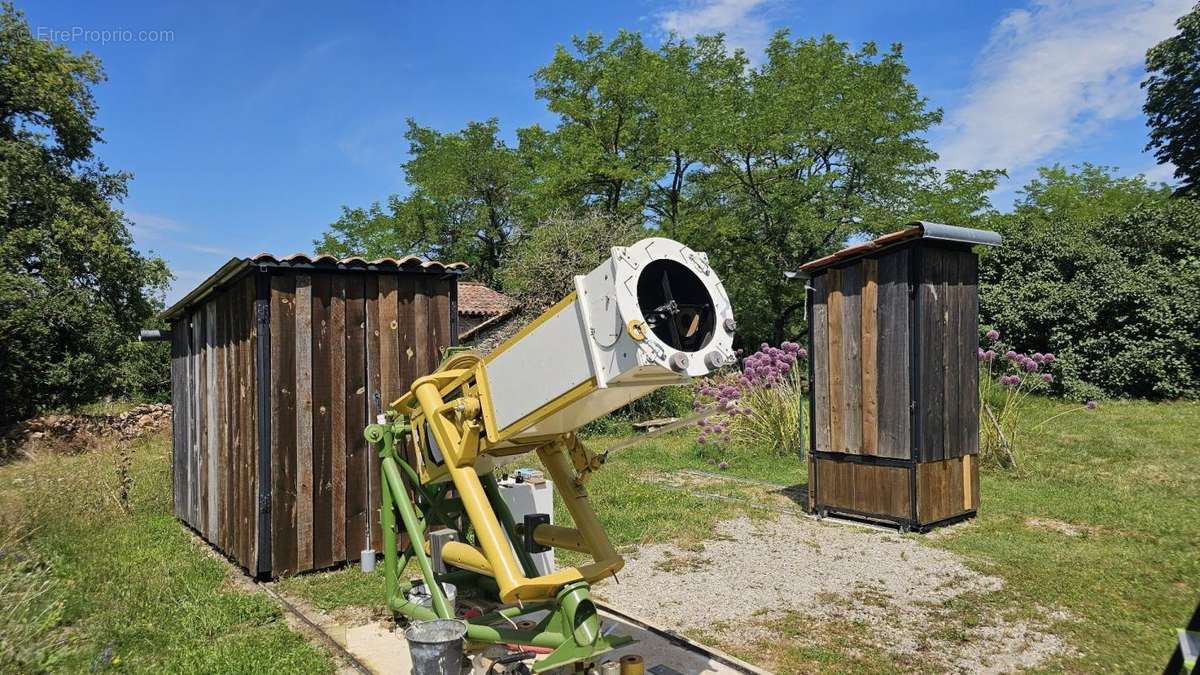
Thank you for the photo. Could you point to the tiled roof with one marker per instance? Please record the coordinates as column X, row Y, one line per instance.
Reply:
column 408, row 262
column 299, row 261
column 476, row 299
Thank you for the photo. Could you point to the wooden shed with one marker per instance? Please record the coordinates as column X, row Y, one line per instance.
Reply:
column 277, row 365
column 893, row 334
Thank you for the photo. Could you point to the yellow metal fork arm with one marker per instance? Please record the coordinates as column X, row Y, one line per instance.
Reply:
column 457, row 429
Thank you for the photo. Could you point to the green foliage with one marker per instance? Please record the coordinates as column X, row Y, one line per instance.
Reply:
column 543, row 264
column 1113, row 295
column 762, row 167
column 817, row 144
column 130, row 590
column 774, row 420
column 1173, row 101
column 73, row 291
column 468, row 191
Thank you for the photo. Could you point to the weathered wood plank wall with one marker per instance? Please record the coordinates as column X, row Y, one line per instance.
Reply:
column 343, row 345
column 860, row 368
column 893, row 337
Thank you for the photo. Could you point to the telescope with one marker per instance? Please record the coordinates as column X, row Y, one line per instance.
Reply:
column 653, row 314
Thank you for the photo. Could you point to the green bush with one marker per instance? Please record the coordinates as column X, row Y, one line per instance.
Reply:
column 1116, row 299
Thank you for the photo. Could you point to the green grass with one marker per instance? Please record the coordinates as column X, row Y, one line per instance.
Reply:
column 1120, row 481
column 132, row 591
column 1125, row 477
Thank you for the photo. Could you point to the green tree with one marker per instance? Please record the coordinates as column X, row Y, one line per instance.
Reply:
column 542, row 267
column 1115, row 299
column 818, row 143
column 1172, row 104
column 607, row 148
column 1084, row 193
column 468, row 191
column 73, row 292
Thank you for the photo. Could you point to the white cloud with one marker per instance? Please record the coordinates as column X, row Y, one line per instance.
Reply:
column 1161, row 173
column 1052, row 75
column 148, row 226
column 742, row 21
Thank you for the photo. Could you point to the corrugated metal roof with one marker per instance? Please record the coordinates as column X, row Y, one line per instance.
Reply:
column 917, row 230
column 300, row 261
column 477, row 299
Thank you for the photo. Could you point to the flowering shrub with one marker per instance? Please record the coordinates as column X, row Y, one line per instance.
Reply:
column 1005, row 382
column 760, row 406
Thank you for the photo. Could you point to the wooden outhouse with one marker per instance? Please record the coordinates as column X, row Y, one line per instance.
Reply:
column 894, row 404
column 277, row 365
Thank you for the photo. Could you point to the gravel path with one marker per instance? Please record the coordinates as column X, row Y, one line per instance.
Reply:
column 753, row 570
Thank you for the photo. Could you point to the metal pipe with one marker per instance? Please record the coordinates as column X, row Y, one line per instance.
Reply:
column 153, row 336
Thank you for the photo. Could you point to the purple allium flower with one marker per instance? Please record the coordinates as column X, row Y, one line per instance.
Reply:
column 723, row 465
column 989, row 355
column 1091, row 405
column 1031, row 365
column 702, row 440
column 1010, row 355
column 1037, row 356
column 993, row 335
column 1047, row 377
column 979, row 353
column 1013, row 381
column 803, row 353
column 1048, row 358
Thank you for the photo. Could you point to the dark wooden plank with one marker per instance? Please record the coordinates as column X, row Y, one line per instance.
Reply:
column 212, row 419
column 952, row 361
column 834, row 314
column 197, row 406
column 322, row 441
column 356, row 416
column 819, row 326
column 243, row 312
column 222, row 491
column 439, row 318
column 406, row 289
column 851, row 329
column 337, row 416
column 237, row 311
column 894, row 378
column 375, row 404
column 283, row 424
column 869, row 353
column 421, row 328
column 178, row 384
column 968, row 425
column 932, row 350
column 304, row 424
column 248, row 394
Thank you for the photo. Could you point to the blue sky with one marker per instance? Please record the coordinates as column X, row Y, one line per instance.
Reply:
column 247, row 125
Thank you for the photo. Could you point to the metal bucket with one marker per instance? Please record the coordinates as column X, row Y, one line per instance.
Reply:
column 436, row 646
column 419, row 594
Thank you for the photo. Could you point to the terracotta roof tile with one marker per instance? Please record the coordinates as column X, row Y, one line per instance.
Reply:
column 476, row 299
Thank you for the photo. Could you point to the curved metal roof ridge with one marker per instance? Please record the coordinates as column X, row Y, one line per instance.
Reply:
column 323, row 261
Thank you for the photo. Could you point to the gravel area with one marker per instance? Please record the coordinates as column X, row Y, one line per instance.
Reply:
column 753, row 570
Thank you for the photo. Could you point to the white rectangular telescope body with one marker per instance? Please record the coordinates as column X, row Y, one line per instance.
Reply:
column 651, row 315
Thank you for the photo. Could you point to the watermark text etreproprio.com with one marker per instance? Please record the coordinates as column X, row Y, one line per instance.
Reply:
column 102, row 36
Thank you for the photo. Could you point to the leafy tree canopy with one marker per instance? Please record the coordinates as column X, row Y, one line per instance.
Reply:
column 73, row 292
column 1173, row 101
column 468, row 190
column 1103, row 272
column 763, row 167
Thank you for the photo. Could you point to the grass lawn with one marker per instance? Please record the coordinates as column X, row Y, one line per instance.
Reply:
column 1103, row 527
column 85, row 586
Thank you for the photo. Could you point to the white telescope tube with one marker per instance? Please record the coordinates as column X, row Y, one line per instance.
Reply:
column 653, row 314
